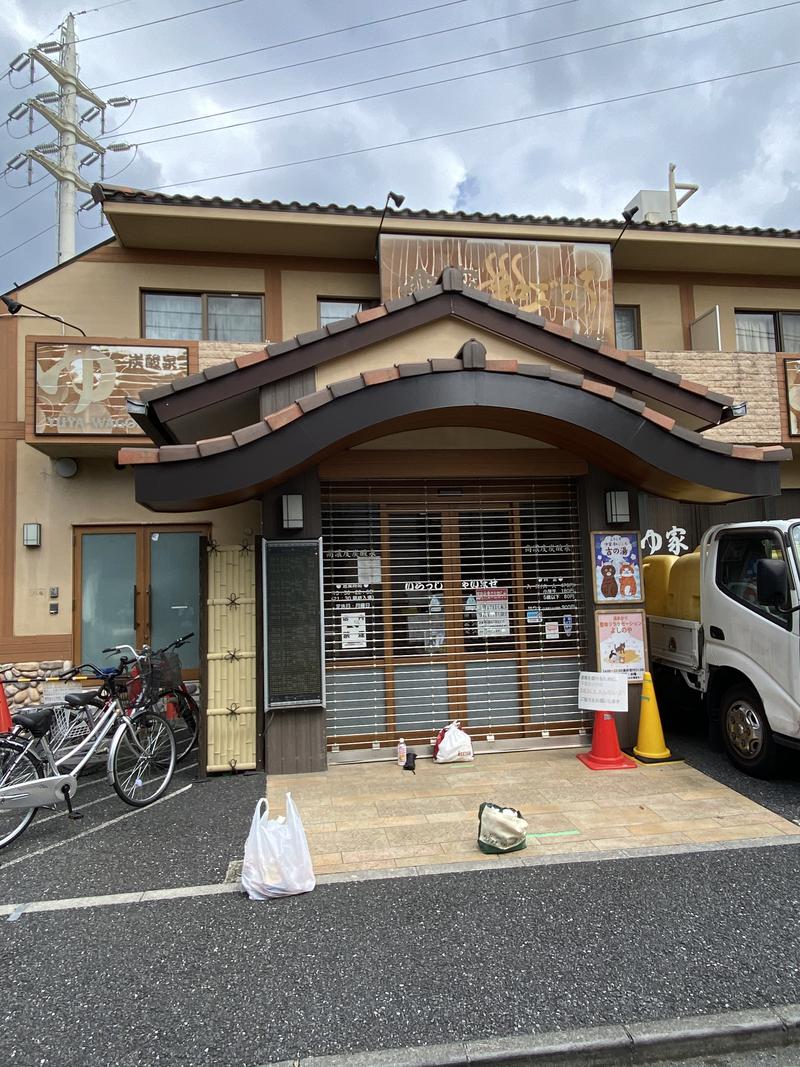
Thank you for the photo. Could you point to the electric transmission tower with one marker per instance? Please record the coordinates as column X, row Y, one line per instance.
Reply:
column 59, row 109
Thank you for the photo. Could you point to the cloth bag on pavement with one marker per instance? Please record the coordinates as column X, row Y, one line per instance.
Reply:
column 453, row 745
column 277, row 862
column 501, row 829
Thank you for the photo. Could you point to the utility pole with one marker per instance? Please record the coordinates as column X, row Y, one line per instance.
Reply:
column 69, row 115
column 60, row 158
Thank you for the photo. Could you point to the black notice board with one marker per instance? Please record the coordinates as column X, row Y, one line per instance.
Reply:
column 294, row 666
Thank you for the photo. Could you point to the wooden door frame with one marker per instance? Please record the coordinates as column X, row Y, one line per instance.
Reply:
column 141, row 610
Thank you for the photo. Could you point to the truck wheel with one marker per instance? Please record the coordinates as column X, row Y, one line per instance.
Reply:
column 746, row 733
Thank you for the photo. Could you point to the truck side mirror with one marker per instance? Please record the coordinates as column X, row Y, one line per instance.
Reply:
column 772, row 582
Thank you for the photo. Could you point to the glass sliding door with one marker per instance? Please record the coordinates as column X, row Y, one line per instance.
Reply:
column 108, row 594
column 174, row 591
column 137, row 585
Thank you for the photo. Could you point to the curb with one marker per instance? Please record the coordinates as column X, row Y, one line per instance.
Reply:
column 612, row 1046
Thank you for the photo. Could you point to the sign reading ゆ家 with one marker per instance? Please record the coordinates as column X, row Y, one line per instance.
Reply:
column 82, row 388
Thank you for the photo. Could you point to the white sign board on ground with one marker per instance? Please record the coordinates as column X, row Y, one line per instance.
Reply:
column 602, row 692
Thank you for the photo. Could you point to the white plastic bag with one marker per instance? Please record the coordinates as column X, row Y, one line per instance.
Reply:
column 455, row 746
column 277, row 862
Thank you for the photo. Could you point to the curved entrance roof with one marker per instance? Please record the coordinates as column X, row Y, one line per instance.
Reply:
column 588, row 418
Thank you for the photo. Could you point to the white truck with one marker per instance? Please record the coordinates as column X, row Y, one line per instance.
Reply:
column 726, row 618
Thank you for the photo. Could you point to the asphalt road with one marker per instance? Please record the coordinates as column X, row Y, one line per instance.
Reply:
column 397, row 962
column 189, row 838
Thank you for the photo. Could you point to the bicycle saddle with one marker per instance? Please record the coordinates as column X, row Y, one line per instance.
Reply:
column 36, row 722
column 80, row 700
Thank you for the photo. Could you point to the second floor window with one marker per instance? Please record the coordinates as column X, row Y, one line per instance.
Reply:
column 203, row 317
column 767, row 331
column 331, row 310
column 627, row 327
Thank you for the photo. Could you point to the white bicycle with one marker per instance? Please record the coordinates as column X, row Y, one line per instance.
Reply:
column 140, row 763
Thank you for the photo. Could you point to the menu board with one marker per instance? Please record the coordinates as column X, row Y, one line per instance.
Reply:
column 293, row 654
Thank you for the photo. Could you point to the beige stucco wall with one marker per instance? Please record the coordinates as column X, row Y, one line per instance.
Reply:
column 97, row 494
column 436, row 340
column 301, row 288
column 742, row 298
column 104, row 299
column 659, row 310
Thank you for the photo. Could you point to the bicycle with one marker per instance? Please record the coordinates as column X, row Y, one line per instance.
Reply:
column 140, row 763
column 157, row 682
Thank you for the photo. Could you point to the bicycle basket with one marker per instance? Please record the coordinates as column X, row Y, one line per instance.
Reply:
column 166, row 672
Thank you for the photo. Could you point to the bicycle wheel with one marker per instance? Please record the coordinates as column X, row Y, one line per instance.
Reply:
column 183, row 715
column 142, row 758
column 17, row 767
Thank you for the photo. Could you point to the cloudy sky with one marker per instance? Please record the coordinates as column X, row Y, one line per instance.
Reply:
column 495, row 61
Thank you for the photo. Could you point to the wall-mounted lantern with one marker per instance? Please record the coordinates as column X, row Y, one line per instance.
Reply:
column 618, row 506
column 32, row 534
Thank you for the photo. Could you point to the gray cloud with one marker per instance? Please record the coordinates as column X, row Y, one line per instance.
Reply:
column 738, row 138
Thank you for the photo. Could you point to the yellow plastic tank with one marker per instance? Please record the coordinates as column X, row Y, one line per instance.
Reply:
column 683, row 597
column 655, row 574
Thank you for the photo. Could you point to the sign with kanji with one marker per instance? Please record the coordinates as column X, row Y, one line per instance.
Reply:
column 82, row 389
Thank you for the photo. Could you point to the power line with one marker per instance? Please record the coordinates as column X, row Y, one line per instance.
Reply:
column 27, row 199
column 433, row 33
column 483, row 126
column 158, row 22
column 423, row 85
column 22, row 244
column 335, row 55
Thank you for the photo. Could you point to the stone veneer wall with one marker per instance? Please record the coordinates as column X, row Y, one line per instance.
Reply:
column 744, row 375
column 211, row 353
column 15, row 679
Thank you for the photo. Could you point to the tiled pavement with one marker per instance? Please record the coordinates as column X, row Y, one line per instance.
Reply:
column 375, row 816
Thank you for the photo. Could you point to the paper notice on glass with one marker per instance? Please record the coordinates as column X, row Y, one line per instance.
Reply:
column 369, row 570
column 354, row 630
column 492, row 612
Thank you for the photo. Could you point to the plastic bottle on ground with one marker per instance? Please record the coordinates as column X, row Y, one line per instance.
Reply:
column 401, row 752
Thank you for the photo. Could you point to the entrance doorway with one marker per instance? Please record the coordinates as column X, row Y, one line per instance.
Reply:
column 452, row 601
column 137, row 585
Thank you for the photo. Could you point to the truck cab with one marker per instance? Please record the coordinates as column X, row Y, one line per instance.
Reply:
column 728, row 620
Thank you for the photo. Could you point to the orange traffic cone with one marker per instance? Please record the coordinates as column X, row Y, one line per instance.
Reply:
column 6, row 725
column 606, row 755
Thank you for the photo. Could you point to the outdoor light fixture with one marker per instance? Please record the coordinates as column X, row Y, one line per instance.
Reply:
column 292, row 511
column 14, row 306
column 32, row 534
column 628, row 216
column 398, row 200
column 618, row 506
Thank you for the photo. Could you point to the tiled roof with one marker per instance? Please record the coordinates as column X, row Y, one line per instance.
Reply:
column 471, row 358
column 117, row 194
column 451, row 281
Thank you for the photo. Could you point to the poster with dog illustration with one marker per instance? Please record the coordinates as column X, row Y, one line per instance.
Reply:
column 621, row 643
column 617, row 571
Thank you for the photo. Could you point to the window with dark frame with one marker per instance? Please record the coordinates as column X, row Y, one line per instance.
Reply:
column 332, row 309
column 767, row 331
column 203, row 317
column 627, row 327
column 738, row 556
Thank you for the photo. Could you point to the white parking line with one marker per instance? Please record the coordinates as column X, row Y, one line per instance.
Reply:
column 94, row 829
column 15, row 911
column 100, row 800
